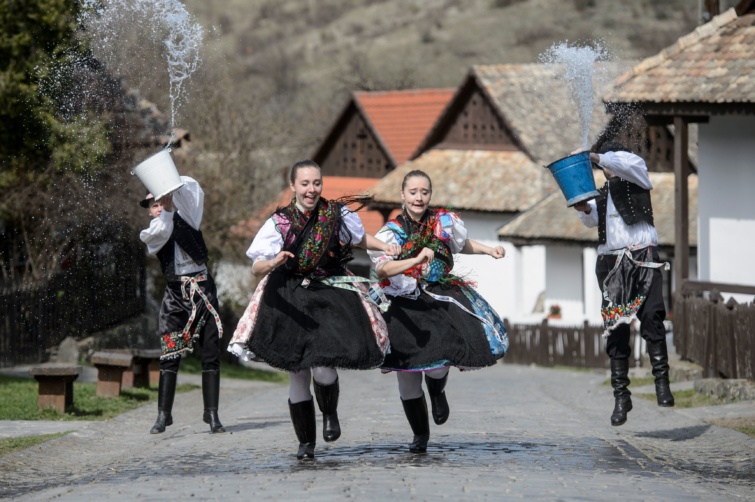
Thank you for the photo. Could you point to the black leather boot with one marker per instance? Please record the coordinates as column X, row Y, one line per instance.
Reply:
column 303, row 418
column 166, row 392
column 327, row 400
column 658, row 353
column 620, row 382
column 211, row 396
column 438, row 401
column 416, row 413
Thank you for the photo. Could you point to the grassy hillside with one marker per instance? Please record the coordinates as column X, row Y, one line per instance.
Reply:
column 276, row 72
column 309, row 53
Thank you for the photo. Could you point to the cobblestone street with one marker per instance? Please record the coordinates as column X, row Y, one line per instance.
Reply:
column 514, row 431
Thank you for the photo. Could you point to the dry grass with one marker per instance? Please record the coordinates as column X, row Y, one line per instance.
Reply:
column 745, row 425
column 305, row 50
column 687, row 399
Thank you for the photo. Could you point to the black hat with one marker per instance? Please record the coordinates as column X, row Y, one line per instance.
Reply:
column 147, row 200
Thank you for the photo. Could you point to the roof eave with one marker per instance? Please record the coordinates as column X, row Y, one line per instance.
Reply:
column 381, row 204
column 692, row 111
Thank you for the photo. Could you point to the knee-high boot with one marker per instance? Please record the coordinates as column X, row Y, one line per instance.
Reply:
column 416, row 413
column 166, row 392
column 620, row 382
column 327, row 400
column 211, row 396
column 438, row 401
column 658, row 353
column 303, row 418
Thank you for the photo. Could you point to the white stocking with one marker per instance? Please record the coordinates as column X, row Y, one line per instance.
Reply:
column 409, row 384
column 325, row 376
column 298, row 389
column 437, row 373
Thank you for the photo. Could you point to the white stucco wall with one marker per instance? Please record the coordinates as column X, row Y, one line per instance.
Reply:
column 591, row 288
column 511, row 285
column 571, row 283
column 726, row 200
column 564, row 279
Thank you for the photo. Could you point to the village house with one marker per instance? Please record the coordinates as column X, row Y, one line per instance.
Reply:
column 485, row 155
column 373, row 133
column 708, row 77
column 571, row 288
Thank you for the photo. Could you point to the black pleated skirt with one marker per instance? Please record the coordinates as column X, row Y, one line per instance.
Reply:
column 297, row 328
column 426, row 333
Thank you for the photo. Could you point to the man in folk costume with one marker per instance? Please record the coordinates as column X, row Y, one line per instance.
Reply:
column 628, row 270
column 189, row 310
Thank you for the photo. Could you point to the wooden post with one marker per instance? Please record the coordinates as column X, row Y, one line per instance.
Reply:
column 712, row 7
column 681, row 204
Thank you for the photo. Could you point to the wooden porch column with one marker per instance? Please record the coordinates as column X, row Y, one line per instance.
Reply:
column 681, row 202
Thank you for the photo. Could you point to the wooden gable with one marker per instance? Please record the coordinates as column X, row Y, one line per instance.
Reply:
column 654, row 143
column 353, row 150
column 471, row 122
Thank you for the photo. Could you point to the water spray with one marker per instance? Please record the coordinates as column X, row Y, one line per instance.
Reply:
column 170, row 23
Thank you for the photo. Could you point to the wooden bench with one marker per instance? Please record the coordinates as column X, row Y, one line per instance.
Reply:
column 55, row 385
column 144, row 370
column 110, row 368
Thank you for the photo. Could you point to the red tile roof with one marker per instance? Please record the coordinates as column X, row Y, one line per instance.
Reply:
column 339, row 186
column 403, row 118
column 333, row 188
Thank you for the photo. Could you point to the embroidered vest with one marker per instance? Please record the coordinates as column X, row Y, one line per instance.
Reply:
column 420, row 235
column 314, row 239
column 631, row 200
column 190, row 240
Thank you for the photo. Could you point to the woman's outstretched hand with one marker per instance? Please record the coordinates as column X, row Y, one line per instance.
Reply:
column 281, row 258
column 498, row 252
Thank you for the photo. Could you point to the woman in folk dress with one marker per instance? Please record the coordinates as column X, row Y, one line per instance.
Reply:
column 435, row 320
column 309, row 315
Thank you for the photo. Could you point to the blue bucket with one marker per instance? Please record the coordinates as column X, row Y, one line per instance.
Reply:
column 574, row 177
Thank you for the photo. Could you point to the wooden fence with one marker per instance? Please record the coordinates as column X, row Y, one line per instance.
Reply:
column 105, row 287
column 578, row 346
column 718, row 335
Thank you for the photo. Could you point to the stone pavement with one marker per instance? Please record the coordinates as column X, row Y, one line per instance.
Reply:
column 514, row 431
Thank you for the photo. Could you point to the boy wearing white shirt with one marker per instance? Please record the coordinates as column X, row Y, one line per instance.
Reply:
column 189, row 310
column 628, row 270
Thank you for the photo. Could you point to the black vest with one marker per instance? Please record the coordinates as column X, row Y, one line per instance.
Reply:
column 631, row 201
column 190, row 240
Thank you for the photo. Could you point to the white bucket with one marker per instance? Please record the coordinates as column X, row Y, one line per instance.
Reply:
column 159, row 174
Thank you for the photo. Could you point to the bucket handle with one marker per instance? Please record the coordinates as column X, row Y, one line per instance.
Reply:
column 167, row 148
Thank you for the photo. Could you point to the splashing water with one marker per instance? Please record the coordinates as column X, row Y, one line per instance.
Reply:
column 579, row 64
column 108, row 23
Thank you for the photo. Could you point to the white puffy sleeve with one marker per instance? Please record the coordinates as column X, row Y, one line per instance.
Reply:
column 453, row 230
column 267, row 243
column 158, row 233
column 352, row 226
column 590, row 220
column 379, row 257
column 628, row 166
column 189, row 201
column 399, row 284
